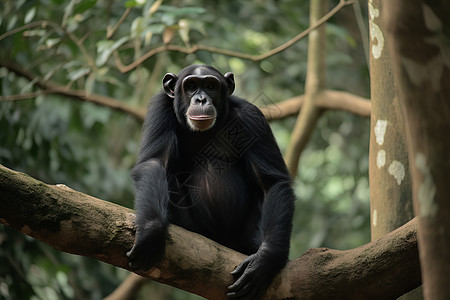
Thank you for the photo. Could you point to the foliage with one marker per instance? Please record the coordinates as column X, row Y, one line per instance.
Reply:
column 91, row 148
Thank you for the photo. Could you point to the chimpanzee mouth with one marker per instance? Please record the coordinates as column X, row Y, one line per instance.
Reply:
column 201, row 118
column 201, row 122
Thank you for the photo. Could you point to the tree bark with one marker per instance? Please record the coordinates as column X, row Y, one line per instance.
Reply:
column 388, row 161
column 77, row 223
column 419, row 40
column 391, row 202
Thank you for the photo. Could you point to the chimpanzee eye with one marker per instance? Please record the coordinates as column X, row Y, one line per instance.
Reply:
column 190, row 88
column 211, row 87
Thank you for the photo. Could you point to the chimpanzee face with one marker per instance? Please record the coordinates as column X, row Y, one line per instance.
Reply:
column 200, row 94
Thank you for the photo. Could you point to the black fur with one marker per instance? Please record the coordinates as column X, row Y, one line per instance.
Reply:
column 228, row 183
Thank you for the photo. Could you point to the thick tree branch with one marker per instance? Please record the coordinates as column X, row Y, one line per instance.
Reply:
column 77, row 223
column 283, row 109
column 328, row 99
column 344, row 101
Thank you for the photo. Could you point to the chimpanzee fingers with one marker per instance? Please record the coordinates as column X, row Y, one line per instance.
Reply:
column 240, row 283
column 248, row 288
column 242, row 293
column 244, row 284
column 241, row 268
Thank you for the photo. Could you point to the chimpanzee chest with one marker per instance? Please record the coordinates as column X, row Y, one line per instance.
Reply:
column 214, row 187
column 215, row 194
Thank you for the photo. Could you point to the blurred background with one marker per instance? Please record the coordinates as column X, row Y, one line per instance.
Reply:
column 53, row 51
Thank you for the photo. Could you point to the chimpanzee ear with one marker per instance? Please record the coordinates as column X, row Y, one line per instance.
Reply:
column 169, row 82
column 229, row 77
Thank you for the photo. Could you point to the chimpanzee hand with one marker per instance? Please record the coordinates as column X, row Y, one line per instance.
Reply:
column 149, row 246
column 253, row 276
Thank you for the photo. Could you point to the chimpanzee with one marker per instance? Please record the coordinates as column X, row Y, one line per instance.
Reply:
column 208, row 162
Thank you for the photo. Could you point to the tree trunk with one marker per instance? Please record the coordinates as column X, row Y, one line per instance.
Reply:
column 389, row 176
column 390, row 180
column 419, row 34
column 80, row 224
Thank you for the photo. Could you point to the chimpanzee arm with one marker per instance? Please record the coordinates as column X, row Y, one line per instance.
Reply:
column 256, row 272
column 150, row 183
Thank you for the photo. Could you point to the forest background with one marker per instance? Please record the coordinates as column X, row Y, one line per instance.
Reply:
column 72, row 102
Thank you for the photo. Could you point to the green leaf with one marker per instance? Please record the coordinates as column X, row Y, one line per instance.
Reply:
column 30, row 15
column 137, row 27
column 35, row 32
column 68, row 11
column 105, row 48
column 90, row 84
column 84, row 5
column 94, row 114
column 11, row 23
column 131, row 3
column 72, row 64
column 155, row 28
column 50, row 43
column 182, row 11
column 78, row 73
column 171, row 14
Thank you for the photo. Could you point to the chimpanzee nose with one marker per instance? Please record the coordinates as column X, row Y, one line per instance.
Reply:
column 201, row 99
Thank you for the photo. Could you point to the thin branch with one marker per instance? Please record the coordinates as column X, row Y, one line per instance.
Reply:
column 110, row 31
column 126, row 68
column 83, row 49
column 25, row 96
column 49, row 87
column 128, row 289
column 42, row 24
column 57, row 27
column 364, row 32
column 301, row 35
